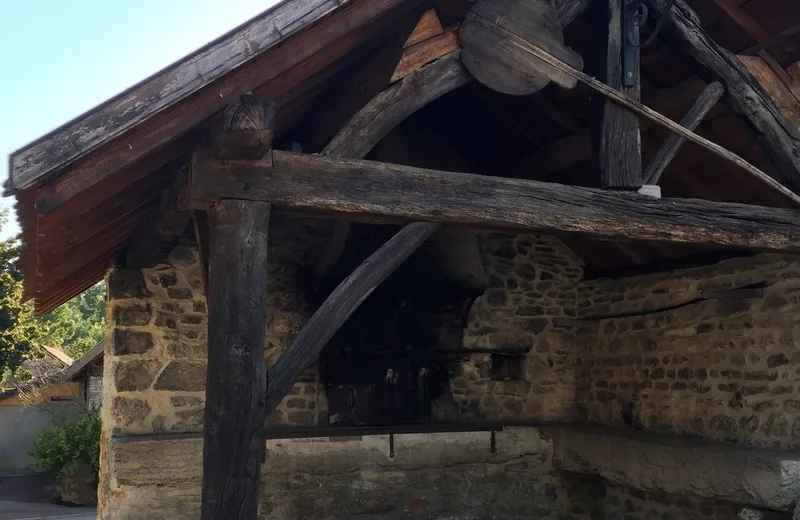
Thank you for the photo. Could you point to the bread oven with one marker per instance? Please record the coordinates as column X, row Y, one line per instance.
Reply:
column 392, row 362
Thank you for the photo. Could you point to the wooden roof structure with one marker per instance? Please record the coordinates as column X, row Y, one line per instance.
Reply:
column 90, row 188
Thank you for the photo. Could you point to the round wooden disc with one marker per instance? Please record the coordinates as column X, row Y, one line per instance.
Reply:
column 501, row 65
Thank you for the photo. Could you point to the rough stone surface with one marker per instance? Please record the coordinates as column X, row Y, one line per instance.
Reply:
column 601, row 351
column 723, row 369
column 682, row 466
column 431, row 476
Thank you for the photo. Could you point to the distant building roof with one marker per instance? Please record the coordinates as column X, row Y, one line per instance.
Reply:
column 59, row 355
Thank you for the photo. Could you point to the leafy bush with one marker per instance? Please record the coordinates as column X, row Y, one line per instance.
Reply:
column 58, row 448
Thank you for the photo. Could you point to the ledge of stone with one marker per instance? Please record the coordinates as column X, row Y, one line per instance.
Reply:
column 177, row 458
column 679, row 466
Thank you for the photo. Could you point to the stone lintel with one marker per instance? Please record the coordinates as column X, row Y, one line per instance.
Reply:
column 681, row 466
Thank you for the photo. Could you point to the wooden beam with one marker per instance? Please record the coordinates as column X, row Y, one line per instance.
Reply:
column 340, row 305
column 774, row 87
column 235, row 249
column 651, row 114
column 371, row 190
column 565, row 153
column 616, row 140
column 389, row 108
column 708, row 98
column 245, row 130
column 778, row 137
column 236, row 384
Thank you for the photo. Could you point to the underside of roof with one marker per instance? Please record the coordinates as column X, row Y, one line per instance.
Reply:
column 85, row 189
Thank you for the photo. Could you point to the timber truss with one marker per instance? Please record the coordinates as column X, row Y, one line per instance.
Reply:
column 237, row 179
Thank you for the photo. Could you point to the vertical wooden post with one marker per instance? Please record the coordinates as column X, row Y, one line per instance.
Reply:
column 616, row 141
column 236, row 383
column 235, row 250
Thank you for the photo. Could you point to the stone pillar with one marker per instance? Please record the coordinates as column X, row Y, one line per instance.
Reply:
column 154, row 375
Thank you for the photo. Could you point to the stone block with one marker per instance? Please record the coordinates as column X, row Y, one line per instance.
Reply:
column 127, row 342
column 127, row 283
column 681, row 466
column 135, row 375
column 186, row 376
column 126, row 411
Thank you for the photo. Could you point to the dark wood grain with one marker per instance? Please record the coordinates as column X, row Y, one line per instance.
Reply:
column 501, row 66
column 778, row 137
column 570, row 151
column 389, row 108
column 370, row 190
column 616, row 140
column 236, row 382
column 245, row 129
column 340, row 305
column 708, row 98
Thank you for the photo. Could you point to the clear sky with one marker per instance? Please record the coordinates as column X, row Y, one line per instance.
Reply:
column 60, row 58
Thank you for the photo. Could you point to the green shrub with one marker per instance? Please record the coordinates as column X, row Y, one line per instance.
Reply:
column 57, row 448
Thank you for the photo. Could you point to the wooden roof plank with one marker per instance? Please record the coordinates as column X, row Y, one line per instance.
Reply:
column 360, row 17
column 75, row 139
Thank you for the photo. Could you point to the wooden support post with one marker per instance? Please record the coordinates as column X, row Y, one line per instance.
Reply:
column 616, row 140
column 340, row 305
column 236, row 383
column 709, row 97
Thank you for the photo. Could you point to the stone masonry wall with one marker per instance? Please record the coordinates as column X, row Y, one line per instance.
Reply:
column 718, row 366
column 155, row 363
column 648, row 353
column 533, row 281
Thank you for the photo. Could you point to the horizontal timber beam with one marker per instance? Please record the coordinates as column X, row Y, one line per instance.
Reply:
column 368, row 190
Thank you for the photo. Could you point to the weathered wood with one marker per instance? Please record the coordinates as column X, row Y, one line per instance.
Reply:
column 209, row 64
column 113, row 146
column 371, row 190
column 154, row 240
column 340, row 305
column 494, row 62
column 779, row 138
column 616, row 140
column 424, row 52
column 709, row 97
column 245, row 129
column 427, row 27
column 389, row 108
column 564, row 153
column 651, row 114
column 236, row 384
column 774, row 87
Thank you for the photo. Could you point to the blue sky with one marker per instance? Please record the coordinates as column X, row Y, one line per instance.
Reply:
column 60, row 58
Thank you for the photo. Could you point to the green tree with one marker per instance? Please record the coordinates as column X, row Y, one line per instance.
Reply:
column 75, row 327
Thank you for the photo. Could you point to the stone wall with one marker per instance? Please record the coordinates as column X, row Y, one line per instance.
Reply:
column 533, row 281
column 684, row 353
column 670, row 353
column 155, row 363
